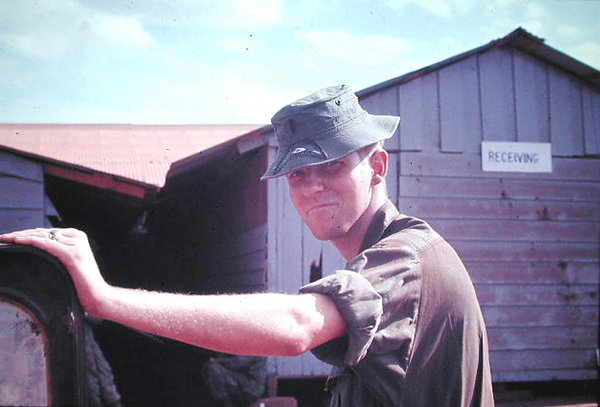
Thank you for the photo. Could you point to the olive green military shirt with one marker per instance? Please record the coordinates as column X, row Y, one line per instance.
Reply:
column 416, row 336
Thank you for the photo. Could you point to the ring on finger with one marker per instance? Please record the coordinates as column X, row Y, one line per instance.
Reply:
column 53, row 235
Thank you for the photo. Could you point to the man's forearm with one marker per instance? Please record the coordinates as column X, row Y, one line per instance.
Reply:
column 257, row 324
column 254, row 324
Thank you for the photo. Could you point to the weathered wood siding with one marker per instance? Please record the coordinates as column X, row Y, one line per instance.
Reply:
column 530, row 241
column 23, row 202
column 237, row 264
column 234, row 231
column 209, row 234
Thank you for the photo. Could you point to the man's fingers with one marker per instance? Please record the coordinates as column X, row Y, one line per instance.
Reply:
column 72, row 233
column 39, row 236
column 41, row 242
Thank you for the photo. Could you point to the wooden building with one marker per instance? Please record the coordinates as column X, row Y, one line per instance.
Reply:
column 531, row 241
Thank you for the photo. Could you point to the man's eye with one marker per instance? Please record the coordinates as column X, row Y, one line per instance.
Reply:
column 296, row 174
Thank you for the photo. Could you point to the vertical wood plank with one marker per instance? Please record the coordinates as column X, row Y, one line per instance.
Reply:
column 460, row 113
column 497, row 95
column 419, row 109
column 49, row 210
column 591, row 121
column 531, row 99
column 289, row 264
column 431, row 113
column 566, row 121
column 311, row 248
column 411, row 111
column 290, row 237
column 273, row 216
column 385, row 102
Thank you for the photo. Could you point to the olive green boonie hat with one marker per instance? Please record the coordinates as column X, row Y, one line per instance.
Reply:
column 324, row 126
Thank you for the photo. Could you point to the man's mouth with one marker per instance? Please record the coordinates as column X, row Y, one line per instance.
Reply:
column 322, row 207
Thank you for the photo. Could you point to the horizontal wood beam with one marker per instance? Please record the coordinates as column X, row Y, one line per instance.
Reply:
column 98, row 180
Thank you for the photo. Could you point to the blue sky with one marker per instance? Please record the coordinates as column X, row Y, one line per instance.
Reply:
column 234, row 61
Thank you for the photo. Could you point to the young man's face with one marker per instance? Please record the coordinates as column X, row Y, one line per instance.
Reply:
column 331, row 197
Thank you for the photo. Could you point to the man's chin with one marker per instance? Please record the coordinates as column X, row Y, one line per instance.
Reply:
column 327, row 234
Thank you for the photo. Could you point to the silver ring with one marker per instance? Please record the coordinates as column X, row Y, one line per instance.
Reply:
column 53, row 235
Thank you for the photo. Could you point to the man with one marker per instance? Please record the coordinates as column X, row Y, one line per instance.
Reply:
column 401, row 324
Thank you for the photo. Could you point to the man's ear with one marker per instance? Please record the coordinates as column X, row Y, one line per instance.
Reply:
column 379, row 164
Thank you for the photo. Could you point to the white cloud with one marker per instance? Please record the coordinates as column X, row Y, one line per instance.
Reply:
column 588, row 53
column 116, row 30
column 35, row 46
column 239, row 14
column 345, row 47
column 446, row 8
column 48, row 30
column 256, row 13
column 570, row 31
column 205, row 93
column 441, row 8
column 536, row 11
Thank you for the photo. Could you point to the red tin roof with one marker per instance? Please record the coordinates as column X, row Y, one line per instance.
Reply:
column 140, row 153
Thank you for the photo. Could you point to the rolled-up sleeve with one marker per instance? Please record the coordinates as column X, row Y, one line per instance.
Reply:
column 360, row 305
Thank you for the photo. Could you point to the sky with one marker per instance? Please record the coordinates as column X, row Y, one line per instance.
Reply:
column 235, row 61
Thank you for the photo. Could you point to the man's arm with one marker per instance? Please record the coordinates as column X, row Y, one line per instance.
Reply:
column 254, row 324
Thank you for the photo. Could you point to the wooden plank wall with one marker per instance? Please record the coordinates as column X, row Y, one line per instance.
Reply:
column 230, row 216
column 237, row 264
column 23, row 202
column 530, row 241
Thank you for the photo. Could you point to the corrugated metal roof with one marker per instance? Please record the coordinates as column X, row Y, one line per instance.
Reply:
column 142, row 153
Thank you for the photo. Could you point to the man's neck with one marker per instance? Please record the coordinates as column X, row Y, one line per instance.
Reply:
column 350, row 244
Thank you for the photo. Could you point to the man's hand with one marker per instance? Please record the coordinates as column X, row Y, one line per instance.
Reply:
column 70, row 247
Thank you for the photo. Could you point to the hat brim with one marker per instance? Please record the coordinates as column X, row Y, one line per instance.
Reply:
column 334, row 146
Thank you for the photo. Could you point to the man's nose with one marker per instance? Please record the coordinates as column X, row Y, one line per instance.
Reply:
column 314, row 181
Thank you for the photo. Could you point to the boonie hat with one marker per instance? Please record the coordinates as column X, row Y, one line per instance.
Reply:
column 325, row 126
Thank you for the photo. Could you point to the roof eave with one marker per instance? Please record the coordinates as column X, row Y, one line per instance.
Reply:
column 520, row 39
column 235, row 147
column 89, row 176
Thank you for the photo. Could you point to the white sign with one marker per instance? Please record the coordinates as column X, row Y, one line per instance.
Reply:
column 516, row 157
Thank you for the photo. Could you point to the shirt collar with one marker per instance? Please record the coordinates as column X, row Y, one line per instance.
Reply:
column 382, row 219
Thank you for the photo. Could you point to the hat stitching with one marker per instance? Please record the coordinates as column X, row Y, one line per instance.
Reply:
column 298, row 152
